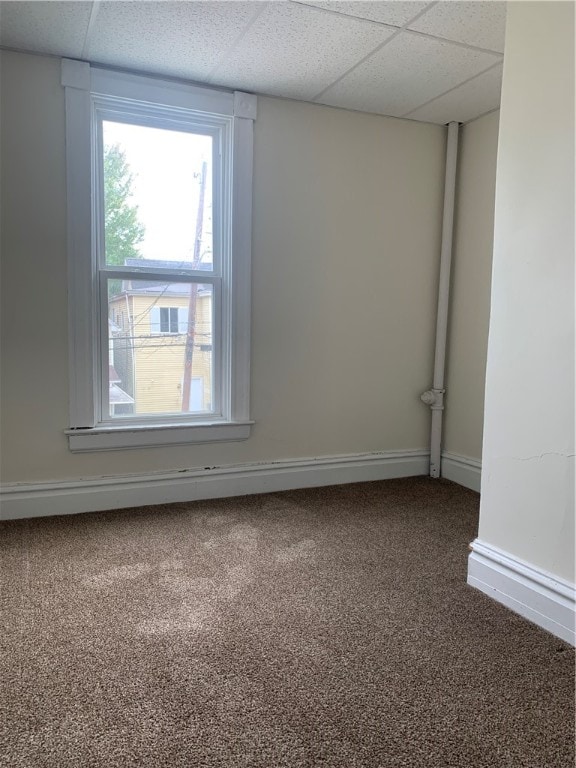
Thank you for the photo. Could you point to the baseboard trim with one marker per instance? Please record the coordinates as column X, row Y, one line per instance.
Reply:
column 541, row 597
column 22, row 500
column 462, row 470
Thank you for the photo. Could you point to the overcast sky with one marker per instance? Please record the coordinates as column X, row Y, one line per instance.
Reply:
column 166, row 167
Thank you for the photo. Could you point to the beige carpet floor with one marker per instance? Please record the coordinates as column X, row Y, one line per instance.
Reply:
column 327, row 628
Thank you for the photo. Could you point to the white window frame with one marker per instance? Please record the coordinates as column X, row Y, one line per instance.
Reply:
column 87, row 90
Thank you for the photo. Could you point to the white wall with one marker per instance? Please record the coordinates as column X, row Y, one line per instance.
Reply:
column 347, row 211
column 527, row 506
column 470, row 291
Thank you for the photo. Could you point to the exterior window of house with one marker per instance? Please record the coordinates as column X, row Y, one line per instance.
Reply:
column 159, row 211
column 168, row 319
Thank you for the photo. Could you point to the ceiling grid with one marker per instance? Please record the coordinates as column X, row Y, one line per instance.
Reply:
column 376, row 50
column 237, row 41
column 91, row 21
column 430, row 61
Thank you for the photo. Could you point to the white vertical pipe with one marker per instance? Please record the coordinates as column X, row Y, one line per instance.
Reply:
column 437, row 401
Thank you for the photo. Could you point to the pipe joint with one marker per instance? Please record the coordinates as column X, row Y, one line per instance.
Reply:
column 434, row 398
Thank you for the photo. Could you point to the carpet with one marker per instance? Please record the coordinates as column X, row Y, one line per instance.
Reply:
column 327, row 628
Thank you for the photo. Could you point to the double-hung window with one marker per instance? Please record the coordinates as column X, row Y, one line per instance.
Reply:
column 159, row 181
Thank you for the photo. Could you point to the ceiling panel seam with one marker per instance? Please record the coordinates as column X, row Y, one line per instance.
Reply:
column 342, row 15
column 231, row 48
column 444, row 93
column 358, row 63
column 484, row 114
column 365, row 58
column 422, row 13
column 448, row 40
column 363, row 18
column 90, row 29
column 405, row 27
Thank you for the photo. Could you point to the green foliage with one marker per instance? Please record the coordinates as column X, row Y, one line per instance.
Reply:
column 123, row 230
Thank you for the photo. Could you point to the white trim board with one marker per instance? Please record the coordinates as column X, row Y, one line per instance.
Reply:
column 462, row 470
column 21, row 500
column 541, row 597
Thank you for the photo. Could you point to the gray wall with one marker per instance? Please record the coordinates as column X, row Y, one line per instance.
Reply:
column 470, row 296
column 347, row 211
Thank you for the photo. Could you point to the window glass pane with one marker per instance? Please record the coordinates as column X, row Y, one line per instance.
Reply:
column 157, row 196
column 160, row 347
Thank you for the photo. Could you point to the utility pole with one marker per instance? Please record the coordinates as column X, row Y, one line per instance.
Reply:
column 191, row 331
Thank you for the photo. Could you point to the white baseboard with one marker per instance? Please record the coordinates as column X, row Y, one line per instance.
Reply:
column 541, row 597
column 19, row 500
column 462, row 470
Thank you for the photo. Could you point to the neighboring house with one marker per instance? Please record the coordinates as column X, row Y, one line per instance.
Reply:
column 119, row 399
column 150, row 324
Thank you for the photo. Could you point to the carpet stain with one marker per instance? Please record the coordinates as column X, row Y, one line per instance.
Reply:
column 201, row 600
column 237, row 578
column 299, row 551
column 245, row 536
column 218, row 520
column 184, row 620
column 187, row 586
column 120, row 573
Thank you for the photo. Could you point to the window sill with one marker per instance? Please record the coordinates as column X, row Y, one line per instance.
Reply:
column 113, row 438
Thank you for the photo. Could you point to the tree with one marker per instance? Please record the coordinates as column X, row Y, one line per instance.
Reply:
column 124, row 232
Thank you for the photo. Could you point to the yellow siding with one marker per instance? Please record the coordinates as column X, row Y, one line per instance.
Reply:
column 159, row 358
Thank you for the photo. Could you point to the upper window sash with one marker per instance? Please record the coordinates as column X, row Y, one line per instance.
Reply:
column 171, row 118
column 88, row 88
column 218, row 128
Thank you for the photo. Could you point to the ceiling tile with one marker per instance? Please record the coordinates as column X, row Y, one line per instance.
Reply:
column 475, row 23
column 470, row 100
column 396, row 13
column 182, row 39
column 45, row 27
column 293, row 49
column 297, row 51
column 404, row 74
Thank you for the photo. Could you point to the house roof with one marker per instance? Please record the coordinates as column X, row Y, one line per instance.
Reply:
column 159, row 287
column 149, row 288
column 165, row 264
column 118, row 396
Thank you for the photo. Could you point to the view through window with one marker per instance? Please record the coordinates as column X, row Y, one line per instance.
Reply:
column 158, row 215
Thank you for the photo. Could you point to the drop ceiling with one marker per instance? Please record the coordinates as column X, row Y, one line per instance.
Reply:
column 429, row 61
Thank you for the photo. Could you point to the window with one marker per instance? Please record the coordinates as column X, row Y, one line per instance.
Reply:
column 168, row 319
column 159, row 219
